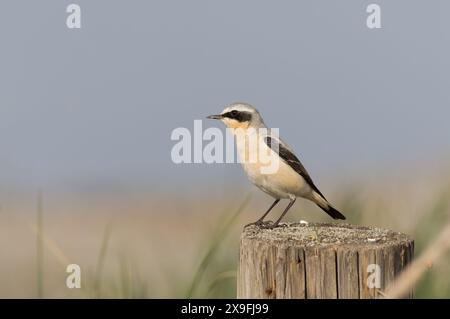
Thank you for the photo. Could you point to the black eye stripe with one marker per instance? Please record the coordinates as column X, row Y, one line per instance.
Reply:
column 240, row 116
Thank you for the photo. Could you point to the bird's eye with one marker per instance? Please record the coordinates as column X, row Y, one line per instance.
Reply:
column 234, row 113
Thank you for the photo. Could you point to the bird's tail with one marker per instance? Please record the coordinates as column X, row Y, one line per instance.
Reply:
column 326, row 207
column 332, row 212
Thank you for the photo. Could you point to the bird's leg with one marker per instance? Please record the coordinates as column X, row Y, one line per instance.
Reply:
column 284, row 213
column 260, row 221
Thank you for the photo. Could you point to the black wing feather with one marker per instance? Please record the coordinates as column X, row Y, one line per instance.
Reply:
column 291, row 160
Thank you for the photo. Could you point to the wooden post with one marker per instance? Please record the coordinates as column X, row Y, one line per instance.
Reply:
column 320, row 261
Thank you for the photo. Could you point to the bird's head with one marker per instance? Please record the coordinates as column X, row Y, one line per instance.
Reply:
column 239, row 116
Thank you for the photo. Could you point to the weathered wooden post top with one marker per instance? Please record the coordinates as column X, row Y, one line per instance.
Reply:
column 320, row 261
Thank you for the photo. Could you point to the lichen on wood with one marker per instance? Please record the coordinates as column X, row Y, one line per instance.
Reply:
column 319, row 260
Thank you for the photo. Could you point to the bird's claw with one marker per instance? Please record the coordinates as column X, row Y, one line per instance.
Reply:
column 258, row 223
column 271, row 225
column 265, row 225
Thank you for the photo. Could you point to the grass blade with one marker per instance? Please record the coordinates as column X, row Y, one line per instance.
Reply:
column 101, row 260
column 39, row 248
column 221, row 234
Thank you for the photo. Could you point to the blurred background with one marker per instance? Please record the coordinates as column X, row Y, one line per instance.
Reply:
column 86, row 116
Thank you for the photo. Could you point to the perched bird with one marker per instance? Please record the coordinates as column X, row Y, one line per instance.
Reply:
column 290, row 180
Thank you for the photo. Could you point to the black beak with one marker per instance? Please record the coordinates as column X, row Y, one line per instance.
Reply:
column 215, row 117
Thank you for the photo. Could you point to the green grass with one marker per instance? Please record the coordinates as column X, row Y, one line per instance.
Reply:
column 217, row 238
column 40, row 247
column 116, row 274
column 97, row 289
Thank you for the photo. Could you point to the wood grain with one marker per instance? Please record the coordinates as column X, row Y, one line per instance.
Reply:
column 320, row 261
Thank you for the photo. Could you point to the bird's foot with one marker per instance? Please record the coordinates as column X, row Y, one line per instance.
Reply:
column 270, row 225
column 259, row 223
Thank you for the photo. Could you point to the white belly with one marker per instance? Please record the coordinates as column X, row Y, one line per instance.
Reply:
column 284, row 182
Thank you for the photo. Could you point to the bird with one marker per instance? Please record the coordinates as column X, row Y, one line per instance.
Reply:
column 289, row 181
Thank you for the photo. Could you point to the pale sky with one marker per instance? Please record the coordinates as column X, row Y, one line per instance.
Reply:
column 96, row 106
